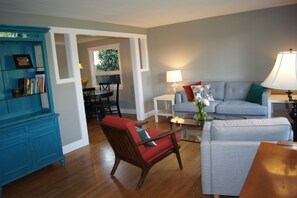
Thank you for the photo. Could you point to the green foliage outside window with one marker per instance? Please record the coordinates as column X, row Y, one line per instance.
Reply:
column 108, row 60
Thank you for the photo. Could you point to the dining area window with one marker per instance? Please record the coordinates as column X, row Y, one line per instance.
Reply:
column 106, row 63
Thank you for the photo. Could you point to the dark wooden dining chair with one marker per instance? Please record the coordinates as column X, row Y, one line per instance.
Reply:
column 113, row 106
column 104, row 86
column 88, row 94
column 128, row 145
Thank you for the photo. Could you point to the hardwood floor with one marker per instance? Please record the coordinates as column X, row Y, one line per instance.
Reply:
column 86, row 173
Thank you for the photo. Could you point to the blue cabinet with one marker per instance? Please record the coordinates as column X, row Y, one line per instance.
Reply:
column 29, row 128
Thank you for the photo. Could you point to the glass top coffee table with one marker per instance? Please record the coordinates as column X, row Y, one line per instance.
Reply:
column 191, row 131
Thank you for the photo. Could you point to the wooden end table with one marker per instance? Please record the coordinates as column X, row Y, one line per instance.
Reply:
column 273, row 172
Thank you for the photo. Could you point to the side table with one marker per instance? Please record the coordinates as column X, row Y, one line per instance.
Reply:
column 276, row 99
column 166, row 112
column 273, row 172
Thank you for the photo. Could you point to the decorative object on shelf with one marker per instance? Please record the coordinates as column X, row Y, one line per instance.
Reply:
column 283, row 77
column 22, row 61
column 174, row 77
column 16, row 92
column 201, row 115
column 84, row 82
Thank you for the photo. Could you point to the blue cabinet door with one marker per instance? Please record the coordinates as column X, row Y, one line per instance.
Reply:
column 15, row 157
column 45, row 143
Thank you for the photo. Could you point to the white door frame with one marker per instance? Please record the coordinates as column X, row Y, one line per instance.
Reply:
column 72, row 58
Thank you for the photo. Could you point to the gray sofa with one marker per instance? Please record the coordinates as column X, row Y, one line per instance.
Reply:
column 229, row 101
column 228, row 148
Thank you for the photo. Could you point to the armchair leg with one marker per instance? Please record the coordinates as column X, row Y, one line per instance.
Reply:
column 144, row 173
column 179, row 160
column 115, row 166
column 176, row 150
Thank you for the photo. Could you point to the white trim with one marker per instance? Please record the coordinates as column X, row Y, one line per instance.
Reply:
column 137, row 79
column 73, row 61
column 149, row 114
column 128, row 111
column 144, row 55
column 96, row 32
column 52, row 46
column 73, row 146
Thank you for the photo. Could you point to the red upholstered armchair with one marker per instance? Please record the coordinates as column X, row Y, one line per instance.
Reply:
column 128, row 145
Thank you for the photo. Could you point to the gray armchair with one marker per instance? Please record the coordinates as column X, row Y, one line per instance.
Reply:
column 228, row 149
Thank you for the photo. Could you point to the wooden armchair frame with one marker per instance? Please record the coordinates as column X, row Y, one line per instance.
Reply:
column 126, row 149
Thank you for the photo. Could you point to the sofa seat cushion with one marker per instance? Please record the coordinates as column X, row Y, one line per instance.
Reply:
column 191, row 108
column 240, row 107
column 163, row 145
column 270, row 129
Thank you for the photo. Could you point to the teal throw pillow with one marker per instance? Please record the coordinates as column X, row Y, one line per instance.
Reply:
column 255, row 94
column 145, row 136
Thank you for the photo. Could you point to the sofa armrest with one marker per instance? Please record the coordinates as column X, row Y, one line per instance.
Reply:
column 265, row 97
column 206, row 159
column 231, row 161
column 180, row 97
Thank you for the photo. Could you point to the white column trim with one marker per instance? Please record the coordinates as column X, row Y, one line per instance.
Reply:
column 137, row 78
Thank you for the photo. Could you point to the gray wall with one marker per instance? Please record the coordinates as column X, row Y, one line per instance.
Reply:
column 240, row 46
column 127, row 96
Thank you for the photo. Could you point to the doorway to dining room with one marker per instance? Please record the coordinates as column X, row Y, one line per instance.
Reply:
column 67, row 88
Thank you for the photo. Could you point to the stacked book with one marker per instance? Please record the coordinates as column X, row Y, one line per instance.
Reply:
column 33, row 85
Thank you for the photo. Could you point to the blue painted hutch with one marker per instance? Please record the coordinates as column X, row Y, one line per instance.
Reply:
column 29, row 128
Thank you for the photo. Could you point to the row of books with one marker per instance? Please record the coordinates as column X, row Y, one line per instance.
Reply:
column 32, row 85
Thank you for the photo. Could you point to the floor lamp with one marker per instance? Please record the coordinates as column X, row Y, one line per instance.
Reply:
column 284, row 77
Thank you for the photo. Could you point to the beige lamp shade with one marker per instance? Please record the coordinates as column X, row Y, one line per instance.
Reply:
column 284, row 73
column 173, row 76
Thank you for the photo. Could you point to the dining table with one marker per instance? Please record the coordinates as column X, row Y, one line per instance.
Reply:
column 94, row 98
column 101, row 94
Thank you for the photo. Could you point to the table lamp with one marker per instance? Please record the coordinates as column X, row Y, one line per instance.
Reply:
column 174, row 77
column 284, row 77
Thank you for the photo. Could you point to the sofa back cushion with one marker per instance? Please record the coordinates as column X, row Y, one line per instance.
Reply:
column 237, row 90
column 181, row 97
column 270, row 129
column 217, row 89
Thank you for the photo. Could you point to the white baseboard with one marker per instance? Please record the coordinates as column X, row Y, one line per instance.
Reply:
column 149, row 114
column 128, row 111
column 133, row 111
column 73, row 146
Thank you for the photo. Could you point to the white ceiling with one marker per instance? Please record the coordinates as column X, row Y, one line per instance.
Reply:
column 139, row 13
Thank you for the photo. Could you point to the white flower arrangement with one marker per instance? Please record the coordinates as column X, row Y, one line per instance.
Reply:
column 201, row 102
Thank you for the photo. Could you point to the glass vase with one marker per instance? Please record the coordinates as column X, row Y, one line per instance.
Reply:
column 201, row 116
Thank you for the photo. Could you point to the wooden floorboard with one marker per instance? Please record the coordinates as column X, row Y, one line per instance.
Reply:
column 86, row 173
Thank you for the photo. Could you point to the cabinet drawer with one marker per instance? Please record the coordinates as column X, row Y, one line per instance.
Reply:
column 42, row 125
column 12, row 133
